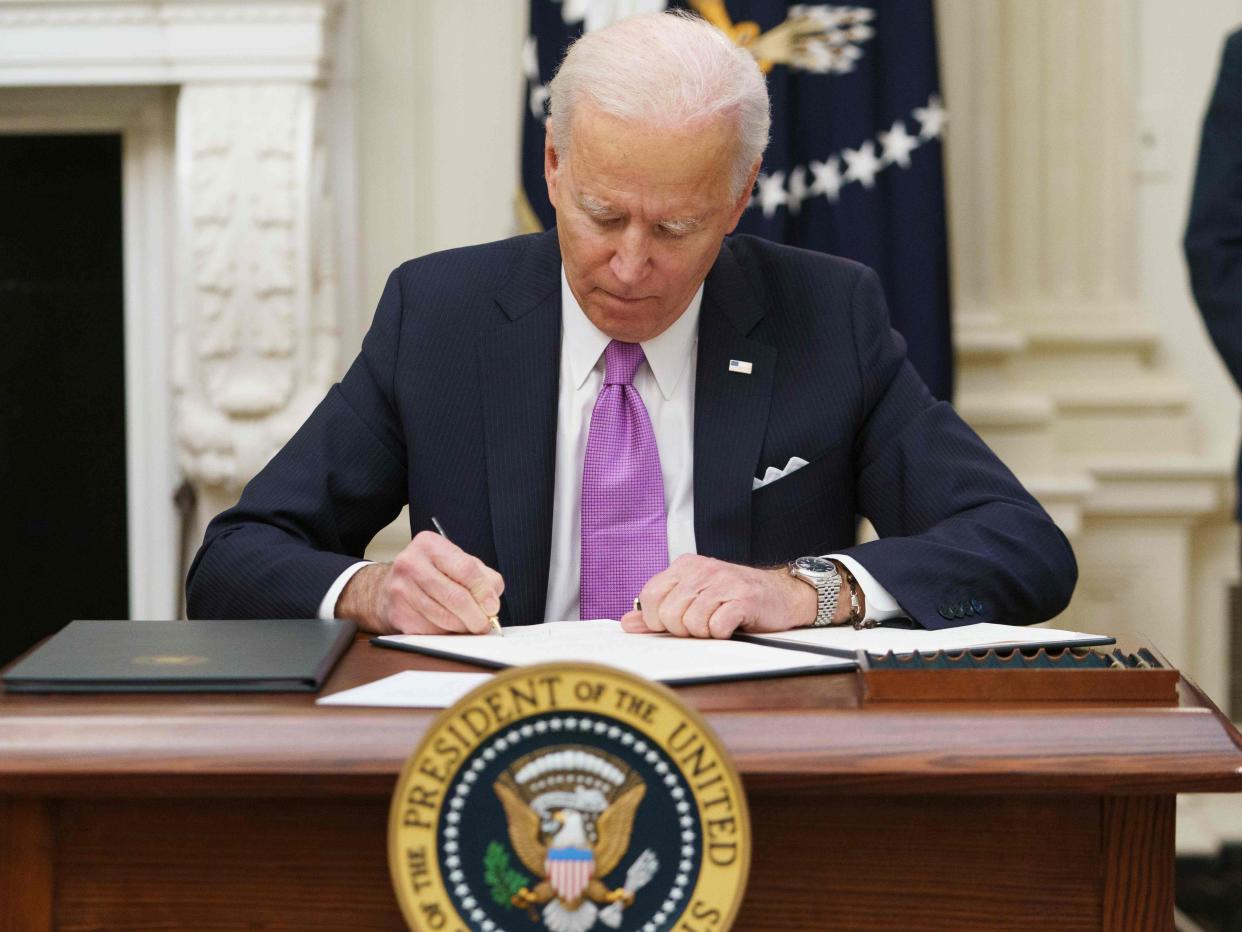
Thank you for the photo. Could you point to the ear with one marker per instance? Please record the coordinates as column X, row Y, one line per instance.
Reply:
column 551, row 162
column 744, row 198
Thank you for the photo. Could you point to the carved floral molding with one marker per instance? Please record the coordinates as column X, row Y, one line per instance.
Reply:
column 255, row 315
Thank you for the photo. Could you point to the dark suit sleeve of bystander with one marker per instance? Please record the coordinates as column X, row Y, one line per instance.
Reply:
column 1213, row 240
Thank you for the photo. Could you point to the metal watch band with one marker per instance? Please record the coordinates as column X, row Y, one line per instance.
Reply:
column 826, row 601
column 826, row 580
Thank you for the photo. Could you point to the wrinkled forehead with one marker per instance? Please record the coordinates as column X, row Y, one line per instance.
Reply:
column 682, row 170
column 590, row 126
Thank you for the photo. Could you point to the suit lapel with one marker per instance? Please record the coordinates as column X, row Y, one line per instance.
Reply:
column 520, row 368
column 730, row 412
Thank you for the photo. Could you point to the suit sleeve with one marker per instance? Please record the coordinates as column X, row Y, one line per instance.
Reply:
column 1213, row 240
column 309, row 514
column 961, row 540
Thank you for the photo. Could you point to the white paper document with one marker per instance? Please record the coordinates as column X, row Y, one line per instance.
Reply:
column 410, row 689
column 845, row 640
column 654, row 656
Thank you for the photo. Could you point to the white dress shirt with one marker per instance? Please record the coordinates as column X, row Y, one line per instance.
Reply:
column 665, row 382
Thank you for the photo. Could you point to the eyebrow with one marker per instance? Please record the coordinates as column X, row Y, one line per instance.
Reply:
column 682, row 225
column 595, row 208
column 676, row 225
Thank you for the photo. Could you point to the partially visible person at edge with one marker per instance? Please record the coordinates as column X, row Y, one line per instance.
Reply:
column 1213, row 240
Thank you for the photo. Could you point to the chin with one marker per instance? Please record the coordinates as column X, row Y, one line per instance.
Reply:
column 619, row 326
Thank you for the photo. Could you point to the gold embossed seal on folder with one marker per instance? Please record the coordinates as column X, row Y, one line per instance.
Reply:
column 569, row 797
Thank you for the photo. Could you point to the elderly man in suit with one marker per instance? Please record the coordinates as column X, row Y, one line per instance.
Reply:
column 636, row 404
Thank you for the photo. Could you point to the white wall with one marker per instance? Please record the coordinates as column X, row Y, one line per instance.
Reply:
column 440, row 88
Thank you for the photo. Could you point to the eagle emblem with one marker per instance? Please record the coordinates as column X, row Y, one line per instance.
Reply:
column 570, row 812
column 818, row 38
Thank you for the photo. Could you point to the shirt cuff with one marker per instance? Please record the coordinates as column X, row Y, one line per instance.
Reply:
column 327, row 608
column 881, row 606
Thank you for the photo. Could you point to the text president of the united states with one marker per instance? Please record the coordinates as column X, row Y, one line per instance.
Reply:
column 637, row 404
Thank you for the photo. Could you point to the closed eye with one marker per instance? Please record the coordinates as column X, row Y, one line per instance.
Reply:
column 678, row 228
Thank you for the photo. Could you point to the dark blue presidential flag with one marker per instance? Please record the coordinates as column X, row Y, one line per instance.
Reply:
column 854, row 167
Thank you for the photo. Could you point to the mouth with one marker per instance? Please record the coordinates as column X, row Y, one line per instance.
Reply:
column 621, row 299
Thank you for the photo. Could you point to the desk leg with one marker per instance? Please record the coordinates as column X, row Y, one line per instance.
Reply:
column 1138, row 862
column 25, row 866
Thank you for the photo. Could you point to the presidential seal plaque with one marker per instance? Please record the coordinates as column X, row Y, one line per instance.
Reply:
column 568, row 797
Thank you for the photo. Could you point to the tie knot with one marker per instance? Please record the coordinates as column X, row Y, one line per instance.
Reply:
column 621, row 361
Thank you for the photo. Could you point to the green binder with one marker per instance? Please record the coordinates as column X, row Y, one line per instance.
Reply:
column 285, row 655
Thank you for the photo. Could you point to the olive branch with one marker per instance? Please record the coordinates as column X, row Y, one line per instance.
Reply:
column 503, row 880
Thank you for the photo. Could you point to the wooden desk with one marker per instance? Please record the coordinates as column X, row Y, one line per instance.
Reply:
column 207, row 812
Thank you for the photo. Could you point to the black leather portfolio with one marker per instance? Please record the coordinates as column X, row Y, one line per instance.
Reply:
column 183, row 656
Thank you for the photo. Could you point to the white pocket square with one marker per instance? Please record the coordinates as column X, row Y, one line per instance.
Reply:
column 772, row 474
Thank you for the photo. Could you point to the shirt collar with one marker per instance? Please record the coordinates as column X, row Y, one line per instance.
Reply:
column 668, row 355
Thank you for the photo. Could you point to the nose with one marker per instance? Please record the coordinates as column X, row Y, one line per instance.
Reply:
column 631, row 259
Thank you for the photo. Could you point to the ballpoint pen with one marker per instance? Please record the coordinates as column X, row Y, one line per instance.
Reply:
column 491, row 619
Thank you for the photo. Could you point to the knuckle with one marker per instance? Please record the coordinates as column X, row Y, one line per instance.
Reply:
column 671, row 618
column 461, row 566
column 425, row 541
column 479, row 575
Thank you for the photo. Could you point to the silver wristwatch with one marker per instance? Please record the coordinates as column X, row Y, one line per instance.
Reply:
column 821, row 574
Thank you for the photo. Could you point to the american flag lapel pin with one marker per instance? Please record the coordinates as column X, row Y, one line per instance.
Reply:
column 740, row 365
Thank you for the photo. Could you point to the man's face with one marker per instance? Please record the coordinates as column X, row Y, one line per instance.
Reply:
column 641, row 214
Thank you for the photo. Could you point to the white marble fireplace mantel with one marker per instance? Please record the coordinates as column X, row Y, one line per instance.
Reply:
column 231, row 231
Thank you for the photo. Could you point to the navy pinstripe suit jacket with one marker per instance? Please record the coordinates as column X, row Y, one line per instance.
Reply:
column 451, row 407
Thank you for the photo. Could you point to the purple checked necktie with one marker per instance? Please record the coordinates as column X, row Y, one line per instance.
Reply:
column 624, row 529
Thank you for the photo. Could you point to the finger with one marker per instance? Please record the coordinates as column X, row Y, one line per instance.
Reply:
column 481, row 581
column 482, row 584
column 698, row 614
column 449, row 593
column 429, row 542
column 673, row 607
column 725, row 620
column 412, row 611
column 658, row 586
column 497, row 581
column 410, row 607
column 633, row 623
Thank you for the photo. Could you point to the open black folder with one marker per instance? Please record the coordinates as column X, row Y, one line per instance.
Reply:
column 285, row 655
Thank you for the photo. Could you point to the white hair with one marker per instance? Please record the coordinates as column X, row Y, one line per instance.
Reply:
column 670, row 69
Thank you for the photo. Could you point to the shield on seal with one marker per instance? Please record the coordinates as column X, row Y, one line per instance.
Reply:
column 569, row 871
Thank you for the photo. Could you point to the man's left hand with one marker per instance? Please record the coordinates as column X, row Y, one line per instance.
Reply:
column 705, row 598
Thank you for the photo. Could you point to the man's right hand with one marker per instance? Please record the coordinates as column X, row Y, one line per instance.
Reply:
column 432, row 587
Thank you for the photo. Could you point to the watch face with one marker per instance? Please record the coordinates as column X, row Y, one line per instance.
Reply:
column 815, row 565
